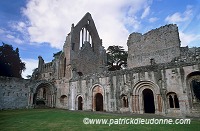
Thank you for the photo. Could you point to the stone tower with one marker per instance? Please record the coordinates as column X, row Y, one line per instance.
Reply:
column 156, row 46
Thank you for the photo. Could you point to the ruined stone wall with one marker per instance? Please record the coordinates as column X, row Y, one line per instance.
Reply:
column 13, row 93
column 155, row 62
column 90, row 54
column 156, row 46
column 77, row 54
column 162, row 79
column 62, row 89
column 87, row 60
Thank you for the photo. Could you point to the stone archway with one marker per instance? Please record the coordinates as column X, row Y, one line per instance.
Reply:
column 80, row 103
column 193, row 84
column 99, row 102
column 145, row 92
column 97, row 98
column 63, row 100
column 148, row 101
column 196, row 88
column 43, row 95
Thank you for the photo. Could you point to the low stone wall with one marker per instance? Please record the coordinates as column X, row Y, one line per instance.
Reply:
column 13, row 93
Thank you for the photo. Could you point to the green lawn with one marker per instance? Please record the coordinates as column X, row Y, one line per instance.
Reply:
column 56, row 119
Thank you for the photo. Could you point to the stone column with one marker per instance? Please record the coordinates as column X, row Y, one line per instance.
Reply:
column 135, row 104
column 131, row 103
column 72, row 99
column 159, row 100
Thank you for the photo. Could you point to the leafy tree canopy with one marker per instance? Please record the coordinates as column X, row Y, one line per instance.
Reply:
column 10, row 62
column 116, row 58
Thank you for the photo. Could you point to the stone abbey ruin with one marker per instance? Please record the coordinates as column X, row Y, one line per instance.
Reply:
column 161, row 78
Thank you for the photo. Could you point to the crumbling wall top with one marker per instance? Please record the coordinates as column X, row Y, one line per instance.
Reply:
column 161, row 45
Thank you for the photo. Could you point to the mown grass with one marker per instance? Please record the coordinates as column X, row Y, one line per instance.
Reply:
column 56, row 119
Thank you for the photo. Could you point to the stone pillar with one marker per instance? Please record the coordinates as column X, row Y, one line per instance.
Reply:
column 72, row 99
column 51, row 100
column 30, row 99
column 107, row 101
column 135, row 104
column 159, row 100
column 131, row 103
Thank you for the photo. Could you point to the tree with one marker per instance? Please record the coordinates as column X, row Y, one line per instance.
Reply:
column 10, row 62
column 116, row 58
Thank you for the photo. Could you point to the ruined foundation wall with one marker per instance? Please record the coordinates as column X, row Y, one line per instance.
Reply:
column 156, row 46
column 13, row 93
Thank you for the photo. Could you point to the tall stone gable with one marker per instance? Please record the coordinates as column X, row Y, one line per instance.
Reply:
column 156, row 46
column 83, row 49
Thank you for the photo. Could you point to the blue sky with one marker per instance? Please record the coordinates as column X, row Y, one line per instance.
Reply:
column 40, row 27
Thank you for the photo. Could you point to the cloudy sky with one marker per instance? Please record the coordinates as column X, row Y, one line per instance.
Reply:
column 39, row 27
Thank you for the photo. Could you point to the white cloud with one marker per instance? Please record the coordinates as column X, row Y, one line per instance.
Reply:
column 153, row 19
column 30, row 65
column 1, row 31
column 146, row 12
column 180, row 17
column 19, row 26
column 16, row 40
column 188, row 38
column 132, row 22
column 50, row 21
column 10, row 36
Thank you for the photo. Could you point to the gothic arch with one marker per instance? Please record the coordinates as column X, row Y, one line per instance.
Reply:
column 138, row 96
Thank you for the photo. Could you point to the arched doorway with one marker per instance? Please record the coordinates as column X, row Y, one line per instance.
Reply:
column 148, row 99
column 193, row 82
column 80, row 103
column 99, row 102
column 97, row 98
column 43, row 95
column 63, row 100
column 196, row 88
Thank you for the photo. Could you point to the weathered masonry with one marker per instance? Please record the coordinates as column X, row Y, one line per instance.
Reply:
column 159, row 45
column 161, row 78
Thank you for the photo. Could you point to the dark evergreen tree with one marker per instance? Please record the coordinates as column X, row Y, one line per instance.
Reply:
column 116, row 58
column 10, row 62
